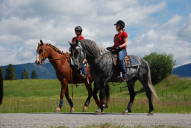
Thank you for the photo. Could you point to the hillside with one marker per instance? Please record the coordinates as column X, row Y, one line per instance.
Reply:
column 45, row 71
column 183, row 70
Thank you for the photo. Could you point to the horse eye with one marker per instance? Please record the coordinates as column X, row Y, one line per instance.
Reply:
column 76, row 54
column 40, row 51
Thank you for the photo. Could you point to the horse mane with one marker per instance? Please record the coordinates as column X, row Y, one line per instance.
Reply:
column 55, row 48
column 58, row 50
column 92, row 48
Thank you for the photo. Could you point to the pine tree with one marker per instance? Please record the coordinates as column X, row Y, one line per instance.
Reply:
column 34, row 74
column 10, row 73
column 25, row 74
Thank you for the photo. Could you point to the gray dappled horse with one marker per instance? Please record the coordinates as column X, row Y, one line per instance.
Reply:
column 102, row 67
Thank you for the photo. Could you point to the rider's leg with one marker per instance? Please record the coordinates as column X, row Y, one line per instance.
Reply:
column 122, row 64
column 83, row 70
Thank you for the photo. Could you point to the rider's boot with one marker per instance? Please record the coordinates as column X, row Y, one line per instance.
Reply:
column 124, row 77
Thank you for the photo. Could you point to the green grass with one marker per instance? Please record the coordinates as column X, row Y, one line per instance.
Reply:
column 43, row 96
column 108, row 125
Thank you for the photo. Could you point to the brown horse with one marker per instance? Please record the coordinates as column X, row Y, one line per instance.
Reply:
column 65, row 72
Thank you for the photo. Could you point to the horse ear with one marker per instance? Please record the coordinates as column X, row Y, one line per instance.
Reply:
column 77, row 42
column 41, row 42
column 70, row 43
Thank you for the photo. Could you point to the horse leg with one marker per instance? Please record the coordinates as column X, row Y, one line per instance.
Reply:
column 149, row 95
column 69, row 100
column 102, row 96
column 131, row 85
column 89, row 89
column 64, row 85
column 95, row 91
column 107, row 92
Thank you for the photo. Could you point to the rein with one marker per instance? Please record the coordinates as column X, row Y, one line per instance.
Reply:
column 67, row 59
column 57, row 58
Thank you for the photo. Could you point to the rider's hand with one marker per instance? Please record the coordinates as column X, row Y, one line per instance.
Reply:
column 117, row 48
column 109, row 48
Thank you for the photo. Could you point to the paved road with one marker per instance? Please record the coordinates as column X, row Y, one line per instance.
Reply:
column 45, row 120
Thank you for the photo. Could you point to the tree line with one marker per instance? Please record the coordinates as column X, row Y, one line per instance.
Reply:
column 10, row 74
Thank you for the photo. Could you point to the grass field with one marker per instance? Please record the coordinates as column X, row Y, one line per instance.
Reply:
column 43, row 96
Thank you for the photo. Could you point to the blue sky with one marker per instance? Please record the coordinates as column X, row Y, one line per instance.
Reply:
column 153, row 26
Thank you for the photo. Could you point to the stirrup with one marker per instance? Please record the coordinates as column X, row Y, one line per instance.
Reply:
column 122, row 79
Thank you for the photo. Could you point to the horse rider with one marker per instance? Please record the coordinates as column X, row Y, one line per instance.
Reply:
column 120, row 45
column 78, row 32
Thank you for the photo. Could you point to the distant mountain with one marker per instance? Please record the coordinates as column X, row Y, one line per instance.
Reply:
column 183, row 70
column 45, row 71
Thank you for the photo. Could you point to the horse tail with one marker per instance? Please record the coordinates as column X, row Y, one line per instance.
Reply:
column 154, row 94
column 1, row 87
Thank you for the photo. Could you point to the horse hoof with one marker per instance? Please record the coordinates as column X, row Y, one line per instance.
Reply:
column 85, row 108
column 98, row 111
column 150, row 114
column 126, row 112
column 72, row 110
column 58, row 109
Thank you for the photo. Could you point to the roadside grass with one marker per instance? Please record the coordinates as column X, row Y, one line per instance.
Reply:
column 23, row 96
column 108, row 125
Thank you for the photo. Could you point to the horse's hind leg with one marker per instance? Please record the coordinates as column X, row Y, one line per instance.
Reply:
column 107, row 92
column 102, row 96
column 89, row 89
column 69, row 100
column 148, row 93
column 131, row 85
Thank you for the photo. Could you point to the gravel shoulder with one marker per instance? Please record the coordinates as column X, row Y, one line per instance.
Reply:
column 75, row 120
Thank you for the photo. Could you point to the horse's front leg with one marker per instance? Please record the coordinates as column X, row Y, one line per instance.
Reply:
column 62, row 93
column 95, row 91
column 104, row 94
column 89, row 89
column 103, row 102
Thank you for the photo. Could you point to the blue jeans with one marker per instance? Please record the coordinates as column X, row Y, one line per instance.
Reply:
column 83, row 69
column 121, row 56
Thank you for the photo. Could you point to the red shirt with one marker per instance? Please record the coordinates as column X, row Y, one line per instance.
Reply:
column 119, row 38
column 77, row 38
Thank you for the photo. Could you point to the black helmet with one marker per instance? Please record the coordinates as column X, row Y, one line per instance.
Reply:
column 121, row 23
column 78, row 28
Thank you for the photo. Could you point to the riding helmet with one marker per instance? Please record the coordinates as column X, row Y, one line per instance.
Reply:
column 78, row 28
column 121, row 23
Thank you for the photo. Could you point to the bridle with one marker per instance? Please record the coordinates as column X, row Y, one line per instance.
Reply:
column 56, row 59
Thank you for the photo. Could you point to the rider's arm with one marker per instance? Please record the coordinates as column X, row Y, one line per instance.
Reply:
column 124, row 44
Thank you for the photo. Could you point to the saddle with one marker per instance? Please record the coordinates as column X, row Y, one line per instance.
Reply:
column 129, row 61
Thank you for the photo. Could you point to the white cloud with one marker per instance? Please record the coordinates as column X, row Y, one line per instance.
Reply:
column 24, row 22
column 165, row 39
